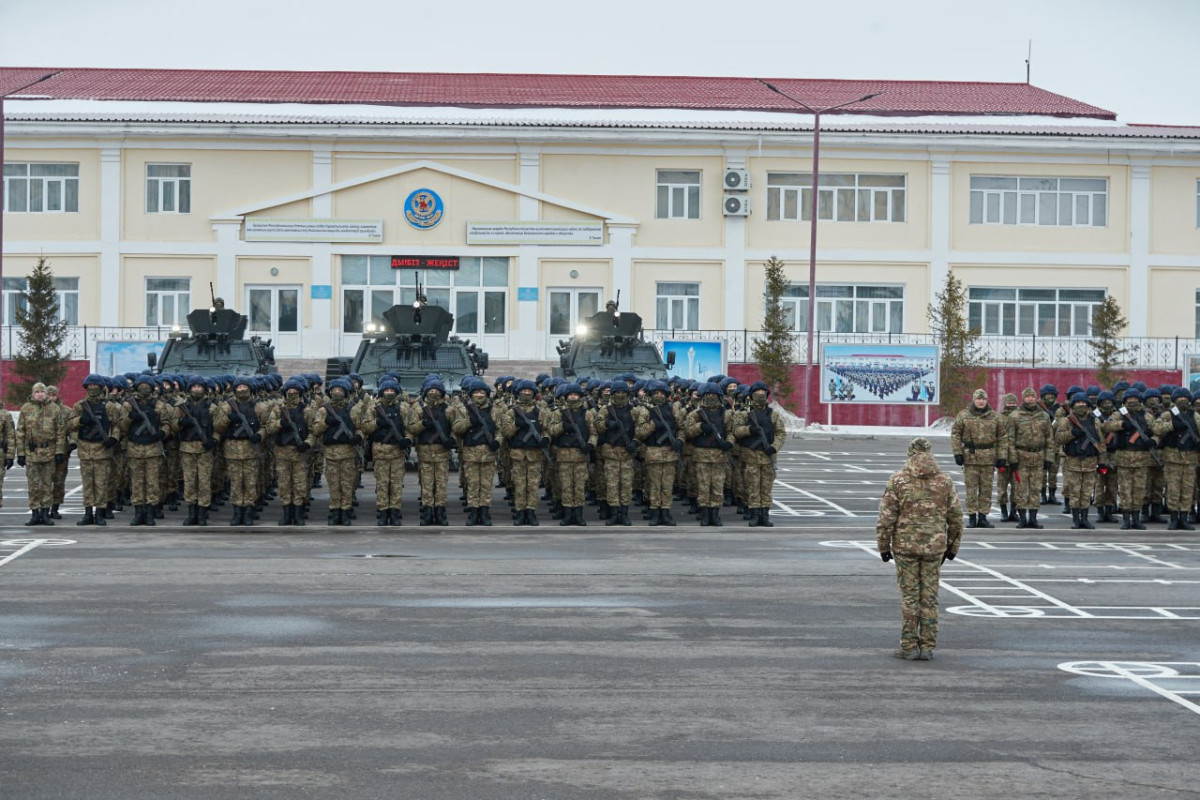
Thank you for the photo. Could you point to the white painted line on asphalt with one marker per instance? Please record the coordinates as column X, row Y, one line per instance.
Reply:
column 818, row 498
column 27, row 545
column 1143, row 673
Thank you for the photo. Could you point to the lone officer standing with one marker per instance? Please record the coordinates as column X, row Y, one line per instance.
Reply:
column 1032, row 457
column 920, row 526
column 979, row 441
column 96, row 426
column 41, row 444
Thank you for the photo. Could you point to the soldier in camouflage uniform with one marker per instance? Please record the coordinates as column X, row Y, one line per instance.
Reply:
column 60, row 468
column 1049, row 402
column 760, row 431
column 979, row 441
column 1004, row 478
column 8, row 446
column 1156, row 483
column 521, row 428
column 291, row 424
column 41, row 444
column 429, row 427
column 145, row 424
column 614, row 430
column 572, row 443
column 1081, row 442
column 920, row 525
column 96, row 425
column 473, row 422
column 708, row 428
column 1031, row 456
column 336, row 425
column 383, row 422
column 238, row 424
column 660, row 430
column 1106, row 479
column 1178, row 432
column 1135, row 453
column 197, row 440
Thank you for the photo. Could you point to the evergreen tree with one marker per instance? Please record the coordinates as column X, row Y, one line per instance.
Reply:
column 1108, row 351
column 961, row 367
column 774, row 350
column 39, row 355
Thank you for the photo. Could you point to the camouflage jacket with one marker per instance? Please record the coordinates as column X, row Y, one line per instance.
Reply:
column 980, row 437
column 919, row 513
column 1031, row 435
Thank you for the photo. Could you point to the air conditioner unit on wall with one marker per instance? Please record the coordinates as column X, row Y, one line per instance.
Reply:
column 736, row 205
column 737, row 180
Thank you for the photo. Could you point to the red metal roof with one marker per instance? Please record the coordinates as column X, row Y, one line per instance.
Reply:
column 899, row 98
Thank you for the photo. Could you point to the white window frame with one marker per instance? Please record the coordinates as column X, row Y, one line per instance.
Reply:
column 677, row 305
column 1039, row 201
column 485, row 278
column 66, row 292
column 1198, row 203
column 1043, row 311
column 159, row 299
column 677, row 193
column 20, row 195
column 841, row 197
column 169, row 194
column 847, row 308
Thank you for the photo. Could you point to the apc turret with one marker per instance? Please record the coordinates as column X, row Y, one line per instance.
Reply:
column 214, row 344
column 610, row 343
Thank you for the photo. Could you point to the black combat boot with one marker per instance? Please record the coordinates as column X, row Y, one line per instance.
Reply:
column 1051, row 499
column 1084, row 522
column 1156, row 510
column 1012, row 514
column 297, row 516
column 1075, row 524
column 1033, row 520
column 1126, row 520
column 54, row 512
column 531, row 517
column 138, row 519
column 1066, row 509
column 1183, row 522
column 99, row 517
column 973, row 520
column 381, row 517
column 764, row 517
column 1136, row 524
column 193, row 512
column 158, row 511
column 35, row 517
column 665, row 518
column 1004, row 512
column 705, row 516
column 715, row 516
column 1045, row 497
column 606, row 511
column 485, row 516
column 982, row 521
column 1022, row 518
column 655, row 517
column 286, row 519
column 624, row 512
column 88, row 518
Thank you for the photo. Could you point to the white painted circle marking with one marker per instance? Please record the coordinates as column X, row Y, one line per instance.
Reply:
column 39, row 542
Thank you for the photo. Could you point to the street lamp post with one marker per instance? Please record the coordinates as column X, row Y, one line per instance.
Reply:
column 812, row 245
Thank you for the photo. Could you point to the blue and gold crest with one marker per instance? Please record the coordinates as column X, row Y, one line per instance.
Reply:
column 423, row 209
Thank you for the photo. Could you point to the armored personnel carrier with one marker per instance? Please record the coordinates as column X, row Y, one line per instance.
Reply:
column 414, row 341
column 214, row 344
column 608, row 344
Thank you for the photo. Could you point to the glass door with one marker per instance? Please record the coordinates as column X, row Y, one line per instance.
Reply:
column 274, row 313
column 567, row 308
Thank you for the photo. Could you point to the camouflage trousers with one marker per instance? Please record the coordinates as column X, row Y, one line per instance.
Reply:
column 1005, row 493
column 389, row 482
column 197, row 469
column 978, row 478
column 145, row 479
column 433, row 468
column 572, row 468
column 1106, row 487
column 709, row 466
column 1156, row 485
column 60, row 480
column 1052, row 473
column 293, row 473
column 1131, row 486
column 243, row 480
column 526, row 475
column 618, row 475
column 1028, row 491
column 2, row 471
column 341, row 476
column 1181, row 483
column 660, row 476
column 758, row 478
column 478, row 470
column 94, row 473
column 917, row 577
column 40, row 475
column 1079, row 480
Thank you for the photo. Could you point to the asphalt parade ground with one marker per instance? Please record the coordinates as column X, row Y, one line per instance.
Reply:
column 598, row 662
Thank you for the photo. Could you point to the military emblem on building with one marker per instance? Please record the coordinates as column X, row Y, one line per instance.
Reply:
column 423, row 209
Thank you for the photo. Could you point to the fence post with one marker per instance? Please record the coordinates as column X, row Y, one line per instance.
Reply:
column 1033, row 352
column 1176, row 353
column 85, row 352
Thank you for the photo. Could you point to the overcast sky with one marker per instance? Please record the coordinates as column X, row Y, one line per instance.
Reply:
column 1135, row 57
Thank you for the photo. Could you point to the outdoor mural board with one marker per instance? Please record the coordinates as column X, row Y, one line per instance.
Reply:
column 116, row 358
column 695, row 360
column 879, row 373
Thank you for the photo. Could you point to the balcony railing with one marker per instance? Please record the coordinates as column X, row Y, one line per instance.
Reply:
column 995, row 351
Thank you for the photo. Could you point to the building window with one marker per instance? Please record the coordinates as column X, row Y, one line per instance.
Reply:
column 846, row 308
column 1039, row 201
column 476, row 293
column 1026, row 312
column 678, row 194
column 840, row 197
column 678, row 306
column 1198, row 313
column 168, row 301
column 66, row 291
column 41, row 188
column 168, row 188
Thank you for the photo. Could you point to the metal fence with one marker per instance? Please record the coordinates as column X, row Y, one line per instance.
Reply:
column 81, row 339
column 995, row 351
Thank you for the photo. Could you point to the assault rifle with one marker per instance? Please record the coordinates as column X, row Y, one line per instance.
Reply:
column 532, row 429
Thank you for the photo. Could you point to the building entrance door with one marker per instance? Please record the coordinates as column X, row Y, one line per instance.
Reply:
column 274, row 313
column 567, row 308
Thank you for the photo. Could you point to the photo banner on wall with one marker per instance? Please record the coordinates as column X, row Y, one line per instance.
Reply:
column 879, row 373
column 695, row 360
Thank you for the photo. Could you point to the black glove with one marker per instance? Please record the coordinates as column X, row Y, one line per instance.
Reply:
column 948, row 555
column 20, row 461
column 72, row 447
column 160, row 436
column 8, row 463
column 886, row 555
column 255, row 438
column 771, row 450
column 958, row 459
column 59, row 458
column 545, row 440
column 187, row 422
column 631, row 448
column 304, row 447
column 725, row 445
column 612, row 424
column 356, row 439
column 405, row 444
column 493, row 445
column 588, row 448
column 1047, row 465
column 677, row 445
column 1001, row 463
column 110, row 443
column 210, row 444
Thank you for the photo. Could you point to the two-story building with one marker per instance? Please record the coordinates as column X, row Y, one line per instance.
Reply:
column 314, row 201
